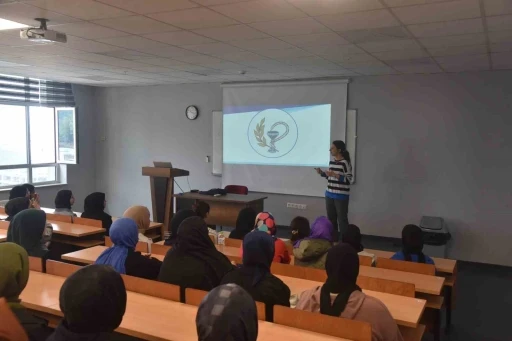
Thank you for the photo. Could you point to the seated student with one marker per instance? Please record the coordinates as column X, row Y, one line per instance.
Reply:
column 14, row 273
column 244, row 223
column 16, row 192
column 15, row 206
column 93, row 301
column 254, row 275
column 340, row 296
column 176, row 221
column 142, row 217
column 94, row 208
column 63, row 202
column 352, row 236
column 227, row 313
column 29, row 230
column 265, row 222
column 312, row 251
column 300, row 229
column 122, row 255
column 33, row 196
column 201, row 209
column 412, row 246
column 193, row 261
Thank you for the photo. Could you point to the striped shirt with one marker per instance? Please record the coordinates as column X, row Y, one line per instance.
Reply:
column 339, row 188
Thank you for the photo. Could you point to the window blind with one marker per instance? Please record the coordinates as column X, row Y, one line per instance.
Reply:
column 15, row 89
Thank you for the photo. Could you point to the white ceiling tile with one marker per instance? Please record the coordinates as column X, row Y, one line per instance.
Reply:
column 269, row 76
column 498, row 7
column 379, row 46
column 285, row 53
column 12, row 38
column 359, row 20
column 87, row 45
column 499, row 23
column 433, row 68
column 262, row 44
column 320, row 7
column 398, row 3
column 335, row 50
column 152, row 68
column 421, row 61
column 312, row 61
column 53, row 49
column 243, row 56
column 163, row 62
column 214, row 49
column 500, row 37
column 400, row 54
column 127, row 54
column 315, row 39
column 171, row 51
column 150, row 6
column 501, row 47
column 234, row 32
column 444, row 28
column 193, row 18
column 332, row 73
column 291, row 27
column 136, row 24
column 224, row 66
column 464, row 63
column 179, row 38
column 502, row 60
column 458, row 50
column 298, row 75
column 351, row 58
column 261, row 10
column 199, row 59
column 448, row 41
column 25, row 14
column 88, row 30
column 271, row 65
column 374, row 70
column 215, row 2
column 442, row 11
column 134, row 43
column 82, row 9
column 376, row 34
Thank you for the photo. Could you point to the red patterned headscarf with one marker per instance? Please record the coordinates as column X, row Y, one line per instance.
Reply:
column 265, row 222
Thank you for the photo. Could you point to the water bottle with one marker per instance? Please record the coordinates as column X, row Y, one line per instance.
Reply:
column 220, row 238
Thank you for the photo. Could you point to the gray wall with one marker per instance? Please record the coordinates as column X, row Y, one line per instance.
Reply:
column 427, row 145
column 81, row 178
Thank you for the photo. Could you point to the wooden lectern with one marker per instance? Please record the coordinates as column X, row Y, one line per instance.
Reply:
column 162, row 190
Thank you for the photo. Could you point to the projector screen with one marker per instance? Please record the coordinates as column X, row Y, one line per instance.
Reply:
column 274, row 134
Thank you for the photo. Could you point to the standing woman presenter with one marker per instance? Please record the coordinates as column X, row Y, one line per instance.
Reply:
column 339, row 177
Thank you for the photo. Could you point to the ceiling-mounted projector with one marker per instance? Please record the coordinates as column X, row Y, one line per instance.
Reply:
column 42, row 34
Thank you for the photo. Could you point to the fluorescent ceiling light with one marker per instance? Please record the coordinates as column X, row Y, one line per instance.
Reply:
column 9, row 25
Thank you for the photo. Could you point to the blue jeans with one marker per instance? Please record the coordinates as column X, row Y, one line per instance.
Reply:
column 337, row 212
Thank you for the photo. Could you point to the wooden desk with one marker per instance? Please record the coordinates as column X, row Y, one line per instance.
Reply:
column 224, row 209
column 4, row 225
column 423, row 283
column 3, row 235
column 75, row 230
column 89, row 255
column 144, row 317
column 406, row 311
column 442, row 264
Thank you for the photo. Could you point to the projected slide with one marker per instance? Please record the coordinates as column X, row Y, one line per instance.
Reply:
column 287, row 136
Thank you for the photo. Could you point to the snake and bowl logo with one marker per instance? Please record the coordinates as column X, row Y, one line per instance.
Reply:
column 272, row 133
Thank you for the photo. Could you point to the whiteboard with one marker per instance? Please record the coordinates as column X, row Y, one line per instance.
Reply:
column 217, row 142
column 351, row 141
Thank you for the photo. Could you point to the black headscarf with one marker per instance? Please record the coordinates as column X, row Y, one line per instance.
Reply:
column 193, row 241
column 93, row 300
column 228, row 313
column 412, row 243
column 94, row 206
column 300, row 228
column 244, row 223
column 26, row 229
column 201, row 209
column 15, row 206
column 176, row 221
column 352, row 236
column 63, row 198
column 18, row 192
column 258, row 255
column 342, row 267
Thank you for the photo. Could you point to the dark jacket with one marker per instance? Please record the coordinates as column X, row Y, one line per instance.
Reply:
column 62, row 333
column 270, row 290
column 141, row 266
column 312, row 253
column 35, row 327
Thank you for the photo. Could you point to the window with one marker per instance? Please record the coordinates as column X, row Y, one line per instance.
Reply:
column 33, row 140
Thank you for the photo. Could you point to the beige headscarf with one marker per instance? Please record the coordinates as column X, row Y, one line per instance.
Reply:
column 141, row 216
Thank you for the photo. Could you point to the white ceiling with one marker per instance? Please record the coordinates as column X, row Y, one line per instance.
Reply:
column 143, row 42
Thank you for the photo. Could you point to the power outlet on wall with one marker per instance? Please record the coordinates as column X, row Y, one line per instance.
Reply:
column 296, row 206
